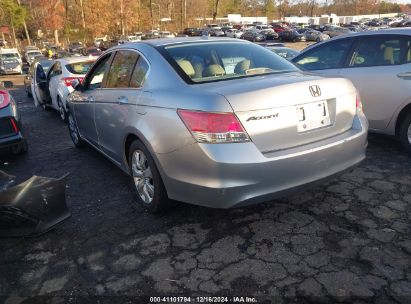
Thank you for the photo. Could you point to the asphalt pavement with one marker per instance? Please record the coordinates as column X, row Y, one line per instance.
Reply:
column 345, row 241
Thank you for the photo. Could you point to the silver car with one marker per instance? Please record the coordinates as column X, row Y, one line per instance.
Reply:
column 215, row 122
column 379, row 65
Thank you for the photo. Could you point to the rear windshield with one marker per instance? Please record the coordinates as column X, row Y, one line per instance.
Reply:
column 79, row 67
column 200, row 62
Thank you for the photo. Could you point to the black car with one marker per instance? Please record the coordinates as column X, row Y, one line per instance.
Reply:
column 192, row 31
column 75, row 47
column 291, row 35
column 12, row 136
column 253, row 36
column 269, row 34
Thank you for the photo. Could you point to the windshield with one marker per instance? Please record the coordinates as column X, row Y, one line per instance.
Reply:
column 9, row 55
column 79, row 67
column 215, row 61
column 46, row 64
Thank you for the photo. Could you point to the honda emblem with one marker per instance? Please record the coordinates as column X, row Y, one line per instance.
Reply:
column 315, row 90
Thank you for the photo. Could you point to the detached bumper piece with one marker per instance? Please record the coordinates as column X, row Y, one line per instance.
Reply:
column 33, row 207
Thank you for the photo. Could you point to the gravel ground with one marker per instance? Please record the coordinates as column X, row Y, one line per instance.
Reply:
column 348, row 240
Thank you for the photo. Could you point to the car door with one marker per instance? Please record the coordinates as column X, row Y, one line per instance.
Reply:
column 53, row 80
column 40, row 87
column 118, row 106
column 84, row 101
column 380, row 68
column 326, row 58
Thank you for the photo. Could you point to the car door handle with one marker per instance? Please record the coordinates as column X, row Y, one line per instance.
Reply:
column 404, row 75
column 90, row 99
column 122, row 100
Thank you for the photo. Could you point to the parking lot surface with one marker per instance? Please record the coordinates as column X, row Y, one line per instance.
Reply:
column 348, row 240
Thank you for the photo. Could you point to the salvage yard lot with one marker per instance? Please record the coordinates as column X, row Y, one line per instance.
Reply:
column 349, row 239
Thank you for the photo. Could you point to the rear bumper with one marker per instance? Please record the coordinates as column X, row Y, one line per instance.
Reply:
column 11, row 141
column 231, row 175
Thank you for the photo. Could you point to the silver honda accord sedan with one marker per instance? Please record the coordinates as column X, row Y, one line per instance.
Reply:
column 215, row 122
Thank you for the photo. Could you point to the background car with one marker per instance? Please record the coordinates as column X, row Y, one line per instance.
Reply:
column 253, row 35
column 75, row 47
column 31, row 54
column 192, row 31
column 11, row 128
column 10, row 65
column 57, row 84
column 313, row 35
column 334, row 31
column 269, row 34
column 379, row 65
column 45, row 63
column 176, row 116
column 291, row 35
column 283, row 51
column 233, row 33
column 91, row 51
column 166, row 34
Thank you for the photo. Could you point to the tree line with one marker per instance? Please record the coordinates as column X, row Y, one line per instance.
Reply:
column 87, row 19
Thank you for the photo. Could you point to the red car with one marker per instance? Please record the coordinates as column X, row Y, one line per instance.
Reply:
column 11, row 128
column 278, row 27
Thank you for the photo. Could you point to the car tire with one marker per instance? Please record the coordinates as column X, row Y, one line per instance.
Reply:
column 20, row 149
column 148, row 186
column 45, row 107
column 405, row 132
column 74, row 134
column 62, row 111
column 28, row 93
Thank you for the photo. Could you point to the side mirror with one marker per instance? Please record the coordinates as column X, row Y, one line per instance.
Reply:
column 76, row 84
column 7, row 84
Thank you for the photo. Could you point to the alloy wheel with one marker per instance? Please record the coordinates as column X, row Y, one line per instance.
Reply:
column 409, row 134
column 143, row 177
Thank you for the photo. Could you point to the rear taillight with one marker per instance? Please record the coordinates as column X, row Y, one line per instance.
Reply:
column 208, row 127
column 14, row 125
column 67, row 80
column 4, row 99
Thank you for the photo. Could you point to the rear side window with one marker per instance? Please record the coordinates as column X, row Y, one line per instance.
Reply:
column 380, row 51
column 329, row 55
column 79, row 67
column 139, row 73
column 121, row 68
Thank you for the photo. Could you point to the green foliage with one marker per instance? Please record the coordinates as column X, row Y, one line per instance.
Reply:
column 14, row 13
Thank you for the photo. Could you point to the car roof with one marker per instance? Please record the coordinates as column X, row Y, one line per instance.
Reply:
column 68, row 60
column 179, row 40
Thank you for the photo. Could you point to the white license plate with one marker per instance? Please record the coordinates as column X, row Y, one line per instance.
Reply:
column 312, row 116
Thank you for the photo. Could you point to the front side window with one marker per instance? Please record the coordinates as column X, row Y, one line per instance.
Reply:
column 380, row 51
column 329, row 55
column 95, row 80
column 120, row 71
column 215, row 61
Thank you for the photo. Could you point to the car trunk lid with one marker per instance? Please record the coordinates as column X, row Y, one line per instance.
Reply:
column 285, row 111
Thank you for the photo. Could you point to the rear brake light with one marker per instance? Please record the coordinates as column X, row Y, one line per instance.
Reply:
column 4, row 99
column 67, row 80
column 13, row 123
column 208, row 127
